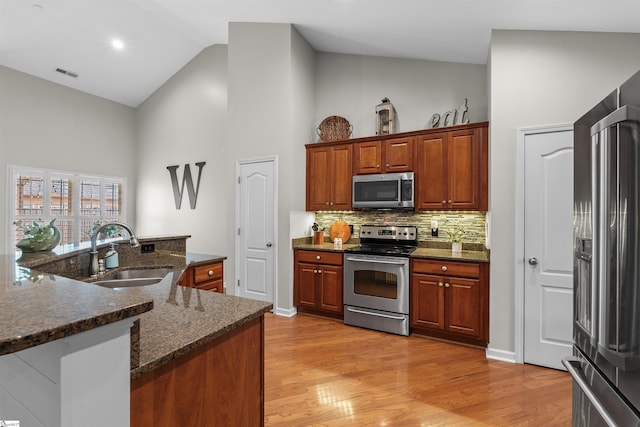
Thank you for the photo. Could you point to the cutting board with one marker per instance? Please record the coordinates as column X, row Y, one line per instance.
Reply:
column 339, row 229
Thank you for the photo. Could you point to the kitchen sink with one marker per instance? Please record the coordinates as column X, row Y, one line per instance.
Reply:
column 135, row 277
column 142, row 273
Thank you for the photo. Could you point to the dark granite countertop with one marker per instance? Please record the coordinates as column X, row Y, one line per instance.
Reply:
column 446, row 254
column 425, row 250
column 38, row 307
column 326, row 247
column 185, row 318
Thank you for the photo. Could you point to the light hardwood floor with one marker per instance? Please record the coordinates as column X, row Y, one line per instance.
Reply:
column 319, row 372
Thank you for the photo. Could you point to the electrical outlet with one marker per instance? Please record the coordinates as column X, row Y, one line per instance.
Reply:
column 148, row 248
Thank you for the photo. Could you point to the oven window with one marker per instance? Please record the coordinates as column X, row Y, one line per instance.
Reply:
column 376, row 284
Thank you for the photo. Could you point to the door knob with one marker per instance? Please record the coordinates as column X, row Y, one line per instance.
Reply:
column 533, row 261
column 269, row 244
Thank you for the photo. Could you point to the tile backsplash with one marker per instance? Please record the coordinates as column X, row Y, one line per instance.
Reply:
column 474, row 222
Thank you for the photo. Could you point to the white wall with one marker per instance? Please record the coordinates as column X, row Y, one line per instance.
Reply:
column 538, row 78
column 270, row 113
column 185, row 122
column 352, row 85
column 46, row 125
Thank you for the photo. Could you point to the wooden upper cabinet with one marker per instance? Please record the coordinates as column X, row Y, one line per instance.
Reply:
column 398, row 155
column 452, row 170
column 450, row 165
column 431, row 186
column 368, row 158
column 329, row 172
column 388, row 156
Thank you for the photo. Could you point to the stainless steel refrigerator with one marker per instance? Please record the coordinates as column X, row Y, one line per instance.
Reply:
column 606, row 362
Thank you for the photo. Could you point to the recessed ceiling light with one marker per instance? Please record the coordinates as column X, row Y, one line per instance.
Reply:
column 117, row 44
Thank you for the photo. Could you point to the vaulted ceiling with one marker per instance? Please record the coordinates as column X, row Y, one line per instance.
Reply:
column 47, row 37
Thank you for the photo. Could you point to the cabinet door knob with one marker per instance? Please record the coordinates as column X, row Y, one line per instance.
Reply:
column 317, row 256
column 444, row 268
column 450, row 202
column 387, row 165
column 327, row 203
column 444, row 202
column 378, row 166
column 446, row 285
column 320, row 271
column 210, row 273
column 315, row 271
column 440, row 284
column 533, row 261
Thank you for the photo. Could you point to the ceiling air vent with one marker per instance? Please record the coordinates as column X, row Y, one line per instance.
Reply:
column 68, row 73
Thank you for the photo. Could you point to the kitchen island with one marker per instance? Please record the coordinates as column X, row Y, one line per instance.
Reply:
column 177, row 330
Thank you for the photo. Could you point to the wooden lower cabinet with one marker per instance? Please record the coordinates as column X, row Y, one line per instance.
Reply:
column 450, row 300
column 208, row 277
column 318, row 282
column 220, row 383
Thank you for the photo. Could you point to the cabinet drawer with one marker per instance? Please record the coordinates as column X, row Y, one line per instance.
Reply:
column 320, row 257
column 447, row 268
column 207, row 272
column 215, row 286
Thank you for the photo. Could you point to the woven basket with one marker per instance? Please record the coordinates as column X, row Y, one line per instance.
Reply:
column 334, row 128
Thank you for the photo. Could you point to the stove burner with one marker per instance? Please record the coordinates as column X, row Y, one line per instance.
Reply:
column 386, row 240
column 382, row 249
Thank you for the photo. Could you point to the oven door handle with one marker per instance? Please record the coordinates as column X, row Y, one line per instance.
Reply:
column 573, row 366
column 354, row 310
column 376, row 261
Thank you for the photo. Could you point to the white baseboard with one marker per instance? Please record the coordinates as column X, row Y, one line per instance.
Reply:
column 286, row 312
column 502, row 355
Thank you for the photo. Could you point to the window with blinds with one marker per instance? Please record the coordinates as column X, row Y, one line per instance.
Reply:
column 78, row 202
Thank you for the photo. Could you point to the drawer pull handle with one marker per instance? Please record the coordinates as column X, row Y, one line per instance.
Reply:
column 444, row 268
column 210, row 273
column 317, row 256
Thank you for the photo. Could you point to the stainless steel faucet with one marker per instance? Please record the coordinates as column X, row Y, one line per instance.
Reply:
column 93, row 254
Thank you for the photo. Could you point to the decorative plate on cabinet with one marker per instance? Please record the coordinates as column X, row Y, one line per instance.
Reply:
column 334, row 128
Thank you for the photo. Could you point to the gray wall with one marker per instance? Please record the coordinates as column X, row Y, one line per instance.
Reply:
column 270, row 113
column 352, row 85
column 46, row 125
column 538, row 78
column 184, row 122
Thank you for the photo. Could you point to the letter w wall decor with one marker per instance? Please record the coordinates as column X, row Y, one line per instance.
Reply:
column 186, row 178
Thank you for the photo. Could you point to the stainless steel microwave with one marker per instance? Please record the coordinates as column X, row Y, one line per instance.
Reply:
column 383, row 191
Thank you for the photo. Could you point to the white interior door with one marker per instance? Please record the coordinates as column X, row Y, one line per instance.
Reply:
column 256, row 229
column 548, row 248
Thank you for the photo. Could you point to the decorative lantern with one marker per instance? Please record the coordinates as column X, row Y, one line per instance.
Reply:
column 385, row 118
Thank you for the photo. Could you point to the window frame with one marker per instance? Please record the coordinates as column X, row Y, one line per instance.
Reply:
column 76, row 217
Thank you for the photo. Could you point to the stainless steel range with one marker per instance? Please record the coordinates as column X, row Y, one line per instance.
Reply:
column 376, row 278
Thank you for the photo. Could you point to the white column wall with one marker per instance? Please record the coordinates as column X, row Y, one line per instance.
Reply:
column 538, row 78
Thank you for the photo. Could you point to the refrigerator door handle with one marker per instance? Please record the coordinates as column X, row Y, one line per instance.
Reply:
column 573, row 366
column 622, row 114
